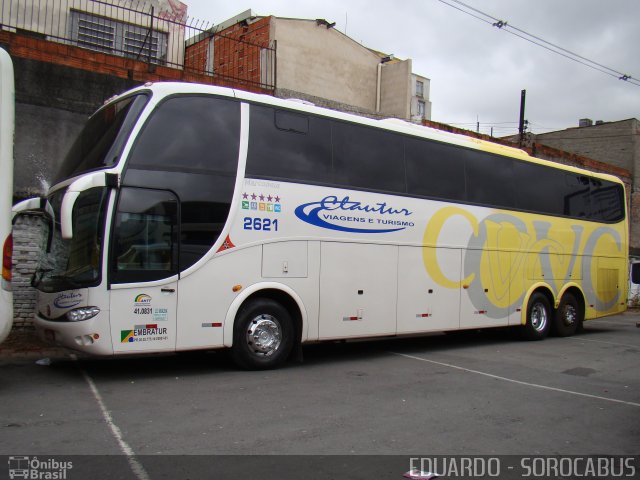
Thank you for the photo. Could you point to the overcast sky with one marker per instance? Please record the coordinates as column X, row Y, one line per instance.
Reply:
column 477, row 71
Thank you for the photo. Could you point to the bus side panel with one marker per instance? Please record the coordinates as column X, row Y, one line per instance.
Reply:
column 424, row 305
column 205, row 297
column 296, row 264
column 358, row 290
column 611, row 286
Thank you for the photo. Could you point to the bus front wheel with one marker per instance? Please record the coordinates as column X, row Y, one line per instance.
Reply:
column 538, row 317
column 263, row 335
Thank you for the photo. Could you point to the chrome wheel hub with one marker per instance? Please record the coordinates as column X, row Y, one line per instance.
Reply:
column 264, row 335
column 538, row 317
column 569, row 315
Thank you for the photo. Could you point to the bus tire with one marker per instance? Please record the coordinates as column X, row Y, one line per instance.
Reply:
column 263, row 335
column 539, row 317
column 568, row 316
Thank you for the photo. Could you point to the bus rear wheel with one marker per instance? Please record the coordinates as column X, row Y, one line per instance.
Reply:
column 538, row 318
column 263, row 335
column 568, row 316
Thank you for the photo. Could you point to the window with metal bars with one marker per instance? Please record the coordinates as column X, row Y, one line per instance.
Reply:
column 120, row 38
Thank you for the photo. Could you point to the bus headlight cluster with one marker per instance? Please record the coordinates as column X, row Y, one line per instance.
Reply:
column 84, row 313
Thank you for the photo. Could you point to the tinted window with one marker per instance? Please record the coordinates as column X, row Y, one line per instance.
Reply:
column 368, row 158
column 607, row 200
column 102, row 138
column 434, row 170
column 489, row 179
column 190, row 133
column 190, row 146
column 292, row 122
column 145, row 236
column 289, row 145
column 205, row 201
column 577, row 196
column 539, row 188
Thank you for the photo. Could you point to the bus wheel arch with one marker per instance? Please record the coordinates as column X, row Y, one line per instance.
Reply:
column 569, row 315
column 538, row 314
column 272, row 314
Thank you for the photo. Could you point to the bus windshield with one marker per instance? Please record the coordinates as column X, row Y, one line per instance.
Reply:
column 73, row 263
column 102, row 139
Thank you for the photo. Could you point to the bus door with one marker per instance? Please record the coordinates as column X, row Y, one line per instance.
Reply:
column 144, row 271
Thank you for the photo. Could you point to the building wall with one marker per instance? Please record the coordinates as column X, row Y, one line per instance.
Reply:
column 323, row 62
column 614, row 143
column 415, row 98
column 241, row 50
column 52, row 20
column 50, row 114
column 396, row 89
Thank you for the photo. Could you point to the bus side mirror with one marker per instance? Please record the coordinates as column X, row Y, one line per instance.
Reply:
column 34, row 204
column 635, row 273
column 97, row 179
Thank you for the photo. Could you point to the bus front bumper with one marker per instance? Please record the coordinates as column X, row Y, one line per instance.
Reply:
column 89, row 336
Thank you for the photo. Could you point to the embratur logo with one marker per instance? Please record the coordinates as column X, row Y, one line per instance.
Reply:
column 143, row 333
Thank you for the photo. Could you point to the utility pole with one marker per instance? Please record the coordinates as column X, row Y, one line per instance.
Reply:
column 523, row 97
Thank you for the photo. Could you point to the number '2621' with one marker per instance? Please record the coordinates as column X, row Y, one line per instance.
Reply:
column 263, row 224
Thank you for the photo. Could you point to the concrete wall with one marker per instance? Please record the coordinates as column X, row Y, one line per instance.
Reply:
column 324, row 63
column 49, row 115
column 614, row 143
column 395, row 89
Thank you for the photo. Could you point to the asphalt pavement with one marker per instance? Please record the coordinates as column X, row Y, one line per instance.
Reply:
column 478, row 393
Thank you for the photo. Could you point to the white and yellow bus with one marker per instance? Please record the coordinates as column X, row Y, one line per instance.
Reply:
column 195, row 217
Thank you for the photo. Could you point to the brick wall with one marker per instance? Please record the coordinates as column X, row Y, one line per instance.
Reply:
column 241, row 60
column 237, row 52
column 20, row 46
column 27, row 238
column 611, row 142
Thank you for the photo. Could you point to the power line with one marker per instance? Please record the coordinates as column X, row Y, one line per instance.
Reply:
column 558, row 50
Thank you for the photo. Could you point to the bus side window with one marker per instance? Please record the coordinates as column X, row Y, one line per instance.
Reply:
column 289, row 145
column 434, row 170
column 489, row 179
column 145, row 236
column 369, row 158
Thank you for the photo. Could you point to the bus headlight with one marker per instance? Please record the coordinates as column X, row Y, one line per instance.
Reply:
column 84, row 313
